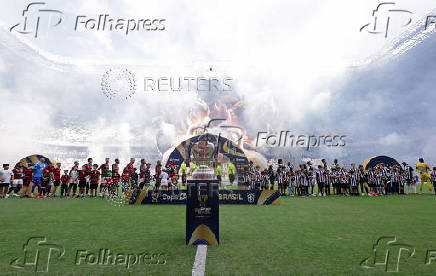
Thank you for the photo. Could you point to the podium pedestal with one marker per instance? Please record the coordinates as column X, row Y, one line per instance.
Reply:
column 202, row 212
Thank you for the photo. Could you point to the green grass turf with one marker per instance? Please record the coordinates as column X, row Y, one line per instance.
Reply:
column 316, row 235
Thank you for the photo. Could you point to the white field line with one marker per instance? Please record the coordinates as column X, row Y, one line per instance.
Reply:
column 200, row 261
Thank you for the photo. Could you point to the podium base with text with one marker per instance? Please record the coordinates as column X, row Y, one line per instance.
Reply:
column 202, row 212
column 234, row 197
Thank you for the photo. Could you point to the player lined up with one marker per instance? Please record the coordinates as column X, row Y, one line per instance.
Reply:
column 105, row 179
column 89, row 179
column 337, row 180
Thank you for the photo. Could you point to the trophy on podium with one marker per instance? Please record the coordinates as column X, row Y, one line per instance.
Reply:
column 203, row 154
column 202, row 212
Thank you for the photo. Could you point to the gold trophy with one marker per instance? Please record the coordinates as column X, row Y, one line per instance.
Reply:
column 202, row 153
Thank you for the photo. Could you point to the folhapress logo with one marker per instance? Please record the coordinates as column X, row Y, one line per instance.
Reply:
column 36, row 16
column 382, row 17
column 387, row 253
column 37, row 254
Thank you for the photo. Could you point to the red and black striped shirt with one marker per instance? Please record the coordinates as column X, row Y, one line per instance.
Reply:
column 126, row 176
column 18, row 173
column 28, row 174
column 95, row 174
column 130, row 168
column 88, row 169
column 115, row 168
column 65, row 178
column 115, row 177
column 82, row 174
column 157, row 173
column 142, row 169
column 104, row 170
column 46, row 173
column 57, row 173
column 172, row 171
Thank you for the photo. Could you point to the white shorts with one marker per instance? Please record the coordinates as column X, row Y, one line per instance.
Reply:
column 17, row 182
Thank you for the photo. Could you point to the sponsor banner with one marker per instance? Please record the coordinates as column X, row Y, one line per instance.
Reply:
column 256, row 197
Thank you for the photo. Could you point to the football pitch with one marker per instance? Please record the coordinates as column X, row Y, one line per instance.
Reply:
column 313, row 235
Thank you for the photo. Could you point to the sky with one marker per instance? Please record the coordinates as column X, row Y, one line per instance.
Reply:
column 302, row 66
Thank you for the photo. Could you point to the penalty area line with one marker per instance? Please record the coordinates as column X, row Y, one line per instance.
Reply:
column 200, row 261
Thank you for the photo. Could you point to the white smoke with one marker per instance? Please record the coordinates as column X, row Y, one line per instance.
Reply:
column 293, row 73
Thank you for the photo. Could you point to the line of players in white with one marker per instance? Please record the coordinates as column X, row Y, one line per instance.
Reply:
column 324, row 180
